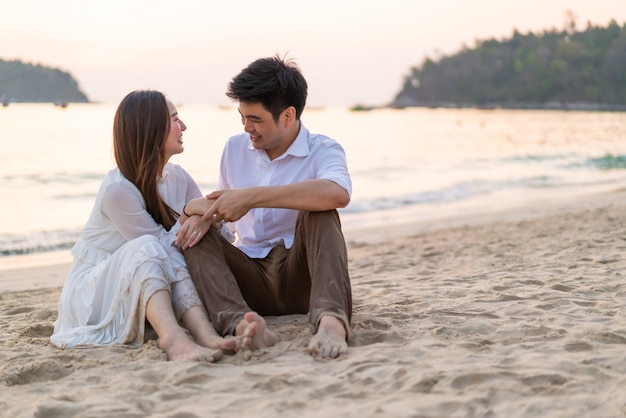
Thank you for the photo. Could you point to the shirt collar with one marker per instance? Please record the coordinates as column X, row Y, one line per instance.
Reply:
column 298, row 148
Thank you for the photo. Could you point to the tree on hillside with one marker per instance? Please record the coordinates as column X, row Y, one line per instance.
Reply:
column 22, row 82
column 526, row 70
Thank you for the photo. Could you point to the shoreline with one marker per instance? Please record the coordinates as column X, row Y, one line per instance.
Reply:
column 49, row 269
column 404, row 223
column 560, row 106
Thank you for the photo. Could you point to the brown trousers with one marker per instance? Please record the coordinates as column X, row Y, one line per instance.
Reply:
column 312, row 276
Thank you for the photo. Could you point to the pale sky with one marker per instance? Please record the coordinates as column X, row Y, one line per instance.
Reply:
column 350, row 51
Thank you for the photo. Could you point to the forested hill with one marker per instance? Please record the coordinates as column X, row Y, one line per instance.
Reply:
column 22, row 82
column 555, row 69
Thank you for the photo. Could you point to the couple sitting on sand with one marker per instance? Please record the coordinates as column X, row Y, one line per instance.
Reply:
column 155, row 249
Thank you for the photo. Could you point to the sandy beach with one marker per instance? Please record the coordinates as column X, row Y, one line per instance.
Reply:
column 516, row 313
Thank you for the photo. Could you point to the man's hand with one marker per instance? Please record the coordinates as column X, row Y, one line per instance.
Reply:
column 229, row 205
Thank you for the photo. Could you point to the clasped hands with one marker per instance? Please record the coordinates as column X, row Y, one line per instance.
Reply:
column 213, row 210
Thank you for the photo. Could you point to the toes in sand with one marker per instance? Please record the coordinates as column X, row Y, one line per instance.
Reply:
column 330, row 339
column 253, row 332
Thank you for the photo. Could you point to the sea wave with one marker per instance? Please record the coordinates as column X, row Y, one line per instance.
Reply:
column 36, row 242
column 467, row 190
column 42, row 241
column 608, row 162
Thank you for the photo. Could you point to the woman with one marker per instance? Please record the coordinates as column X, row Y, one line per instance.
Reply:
column 125, row 268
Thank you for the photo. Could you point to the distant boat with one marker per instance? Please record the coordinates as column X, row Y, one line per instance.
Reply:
column 361, row 108
column 61, row 103
column 5, row 100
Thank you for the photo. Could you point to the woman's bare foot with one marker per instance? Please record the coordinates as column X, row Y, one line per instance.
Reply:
column 330, row 340
column 183, row 349
column 254, row 333
column 196, row 320
column 217, row 342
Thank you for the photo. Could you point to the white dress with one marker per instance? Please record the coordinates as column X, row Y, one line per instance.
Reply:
column 121, row 259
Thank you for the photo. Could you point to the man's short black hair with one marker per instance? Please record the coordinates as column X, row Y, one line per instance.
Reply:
column 274, row 82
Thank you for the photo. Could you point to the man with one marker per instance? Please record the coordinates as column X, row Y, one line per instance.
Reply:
column 280, row 187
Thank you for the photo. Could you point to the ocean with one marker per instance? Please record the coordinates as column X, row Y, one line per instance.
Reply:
column 406, row 164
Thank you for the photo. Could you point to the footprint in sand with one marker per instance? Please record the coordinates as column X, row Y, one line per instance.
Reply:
column 38, row 331
column 541, row 382
column 37, row 371
column 19, row 310
column 578, row 347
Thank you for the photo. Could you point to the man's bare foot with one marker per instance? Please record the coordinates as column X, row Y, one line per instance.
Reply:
column 330, row 340
column 254, row 333
column 183, row 349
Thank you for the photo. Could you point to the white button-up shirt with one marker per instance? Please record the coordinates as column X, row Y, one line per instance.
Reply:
column 310, row 156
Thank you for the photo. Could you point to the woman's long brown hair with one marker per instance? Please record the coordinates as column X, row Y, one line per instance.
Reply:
column 140, row 128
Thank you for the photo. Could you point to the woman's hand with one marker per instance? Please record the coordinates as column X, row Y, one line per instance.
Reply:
column 192, row 230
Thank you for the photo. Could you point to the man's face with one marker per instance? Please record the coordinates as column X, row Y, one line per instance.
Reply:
column 264, row 133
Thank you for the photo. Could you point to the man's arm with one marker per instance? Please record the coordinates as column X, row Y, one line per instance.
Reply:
column 313, row 195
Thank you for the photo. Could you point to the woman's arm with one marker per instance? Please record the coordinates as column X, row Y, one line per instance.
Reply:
column 124, row 207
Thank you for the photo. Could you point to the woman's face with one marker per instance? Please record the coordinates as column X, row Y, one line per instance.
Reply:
column 174, row 141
